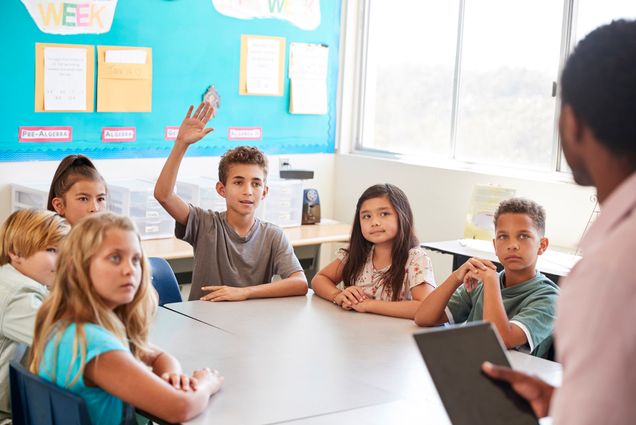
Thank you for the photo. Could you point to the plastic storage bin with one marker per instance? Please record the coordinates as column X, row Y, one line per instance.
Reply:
column 283, row 205
column 201, row 191
column 135, row 199
column 30, row 195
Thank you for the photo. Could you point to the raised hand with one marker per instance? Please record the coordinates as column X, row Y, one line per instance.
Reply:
column 193, row 127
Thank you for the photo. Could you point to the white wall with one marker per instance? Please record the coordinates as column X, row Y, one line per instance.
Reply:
column 440, row 198
column 42, row 172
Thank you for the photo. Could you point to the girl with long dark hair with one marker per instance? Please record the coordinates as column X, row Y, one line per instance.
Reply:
column 383, row 271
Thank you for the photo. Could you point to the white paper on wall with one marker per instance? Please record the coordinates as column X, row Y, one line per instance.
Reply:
column 64, row 79
column 308, row 65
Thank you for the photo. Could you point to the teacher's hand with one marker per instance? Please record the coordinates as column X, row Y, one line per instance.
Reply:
column 537, row 392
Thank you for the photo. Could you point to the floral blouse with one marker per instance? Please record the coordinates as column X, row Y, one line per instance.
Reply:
column 418, row 270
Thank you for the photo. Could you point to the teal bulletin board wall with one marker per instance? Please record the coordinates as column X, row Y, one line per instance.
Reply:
column 193, row 46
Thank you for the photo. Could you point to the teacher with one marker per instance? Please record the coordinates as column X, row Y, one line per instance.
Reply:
column 595, row 331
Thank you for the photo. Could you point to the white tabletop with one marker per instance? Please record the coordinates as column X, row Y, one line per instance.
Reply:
column 305, row 360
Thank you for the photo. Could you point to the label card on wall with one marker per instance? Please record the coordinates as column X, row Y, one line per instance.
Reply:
column 45, row 134
column 171, row 133
column 245, row 133
column 119, row 134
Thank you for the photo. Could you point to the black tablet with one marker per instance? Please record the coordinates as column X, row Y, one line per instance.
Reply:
column 453, row 356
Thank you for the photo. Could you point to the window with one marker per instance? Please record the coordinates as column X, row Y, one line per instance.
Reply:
column 470, row 81
column 505, row 107
column 410, row 71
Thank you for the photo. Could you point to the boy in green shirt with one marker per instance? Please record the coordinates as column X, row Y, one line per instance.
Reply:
column 519, row 301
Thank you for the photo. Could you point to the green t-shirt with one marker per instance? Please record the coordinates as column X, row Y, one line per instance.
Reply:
column 532, row 304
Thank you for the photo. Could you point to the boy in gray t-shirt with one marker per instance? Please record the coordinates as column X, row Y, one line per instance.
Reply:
column 235, row 254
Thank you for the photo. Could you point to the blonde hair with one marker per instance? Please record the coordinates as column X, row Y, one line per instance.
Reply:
column 75, row 300
column 28, row 231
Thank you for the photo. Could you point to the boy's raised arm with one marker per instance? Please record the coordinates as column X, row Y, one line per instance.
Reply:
column 192, row 130
column 511, row 334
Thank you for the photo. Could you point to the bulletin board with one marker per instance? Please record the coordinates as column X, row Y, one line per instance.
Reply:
column 193, row 46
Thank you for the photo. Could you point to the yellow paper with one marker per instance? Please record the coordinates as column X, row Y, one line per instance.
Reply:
column 124, row 87
column 244, row 60
column 39, row 75
column 485, row 200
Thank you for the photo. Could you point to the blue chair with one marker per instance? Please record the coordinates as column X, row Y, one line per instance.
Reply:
column 35, row 401
column 164, row 281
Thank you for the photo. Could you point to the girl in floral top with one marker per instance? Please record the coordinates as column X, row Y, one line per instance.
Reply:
column 384, row 271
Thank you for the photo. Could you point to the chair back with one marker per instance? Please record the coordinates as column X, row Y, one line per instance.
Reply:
column 164, row 281
column 35, row 401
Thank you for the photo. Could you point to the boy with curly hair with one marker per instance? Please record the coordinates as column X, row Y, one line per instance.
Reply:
column 235, row 253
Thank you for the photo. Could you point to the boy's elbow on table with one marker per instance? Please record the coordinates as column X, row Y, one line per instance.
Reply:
column 303, row 288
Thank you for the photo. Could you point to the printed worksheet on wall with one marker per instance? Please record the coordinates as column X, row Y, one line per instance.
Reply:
column 64, row 79
column 308, row 64
column 263, row 66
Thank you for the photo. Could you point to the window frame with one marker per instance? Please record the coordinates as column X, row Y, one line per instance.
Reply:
column 558, row 169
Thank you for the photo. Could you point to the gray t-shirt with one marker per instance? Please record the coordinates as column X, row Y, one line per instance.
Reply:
column 222, row 257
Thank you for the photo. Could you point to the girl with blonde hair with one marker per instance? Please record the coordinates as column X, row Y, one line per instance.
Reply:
column 91, row 334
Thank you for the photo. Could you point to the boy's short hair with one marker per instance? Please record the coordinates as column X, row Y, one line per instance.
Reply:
column 28, row 231
column 241, row 155
column 523, row 206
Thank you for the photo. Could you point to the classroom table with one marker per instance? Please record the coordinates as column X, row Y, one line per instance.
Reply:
column 304, row 360
column 305, row 239
column 552, row 263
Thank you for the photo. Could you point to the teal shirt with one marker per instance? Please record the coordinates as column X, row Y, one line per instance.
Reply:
column 531, row 303
column 103, row 408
